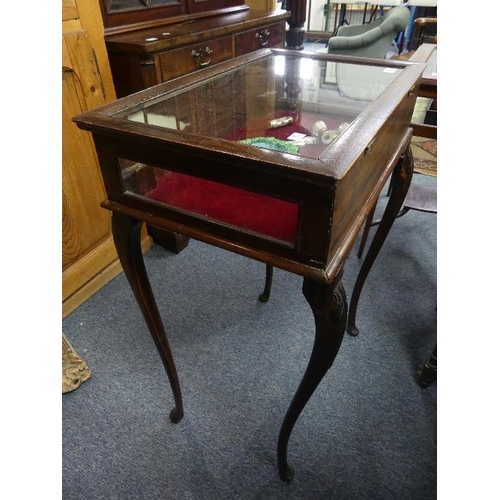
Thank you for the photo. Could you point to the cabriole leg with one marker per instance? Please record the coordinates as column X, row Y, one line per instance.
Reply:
column 428, row 374
column 127, row 237
column 329, row 307
column 402, row 176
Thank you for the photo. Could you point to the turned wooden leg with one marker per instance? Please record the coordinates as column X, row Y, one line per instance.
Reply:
column 294, row 35
column 403, row 173
column 127, row 237
column 329, row 307
column 264, row 296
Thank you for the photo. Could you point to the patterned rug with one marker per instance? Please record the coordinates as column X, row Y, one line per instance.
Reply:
column 424, row 155
column 74, row 369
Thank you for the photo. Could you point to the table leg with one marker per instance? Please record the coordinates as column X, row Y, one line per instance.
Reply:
column 366, row 231
column 401, row 179
column 428, row 374
column 264, row 296
column 127, row 238
column 329, row 307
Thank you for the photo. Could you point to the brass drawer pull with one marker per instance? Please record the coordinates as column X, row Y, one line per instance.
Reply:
column 263, row 37
column 198, row 54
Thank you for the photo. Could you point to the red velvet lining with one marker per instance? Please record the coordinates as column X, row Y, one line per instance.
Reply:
column 244, row 209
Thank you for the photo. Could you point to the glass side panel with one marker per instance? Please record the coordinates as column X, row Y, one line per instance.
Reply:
column 253, row 212
column 127, row 5
column 296, row 105
column 422, row 106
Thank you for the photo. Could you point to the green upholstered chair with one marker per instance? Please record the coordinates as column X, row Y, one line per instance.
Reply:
column 372, row 39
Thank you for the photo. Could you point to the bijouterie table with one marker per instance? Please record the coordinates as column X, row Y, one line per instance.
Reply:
column 263, row 156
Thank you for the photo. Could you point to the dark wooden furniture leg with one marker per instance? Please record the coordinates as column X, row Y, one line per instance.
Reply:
column 264, row 296
column 428, row 374
column 366, row 231
column 403, row 173
column 294, row 36
column 329, row 307
column 127, row 237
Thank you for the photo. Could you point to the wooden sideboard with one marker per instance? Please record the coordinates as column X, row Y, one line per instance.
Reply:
column 148, row 56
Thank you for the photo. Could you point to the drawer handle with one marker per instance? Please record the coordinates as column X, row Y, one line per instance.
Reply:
column 198, row 54
column 263, row 37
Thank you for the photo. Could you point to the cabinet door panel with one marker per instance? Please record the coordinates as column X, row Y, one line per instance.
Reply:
column 85, row 224
column 82, row 188
column 116, row 13
column 69, row 10
column 87, row 249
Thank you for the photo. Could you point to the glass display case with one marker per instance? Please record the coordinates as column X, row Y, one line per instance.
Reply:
column 264, row 152
column 266, row 156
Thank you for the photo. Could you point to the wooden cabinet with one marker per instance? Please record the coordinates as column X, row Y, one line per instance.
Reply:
column 119, row 15
column 148, row 53
column 89, row 258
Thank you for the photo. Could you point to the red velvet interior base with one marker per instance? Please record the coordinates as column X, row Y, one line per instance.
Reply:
column 256, row 212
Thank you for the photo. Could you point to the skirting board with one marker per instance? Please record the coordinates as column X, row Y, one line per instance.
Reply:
column 92, row 286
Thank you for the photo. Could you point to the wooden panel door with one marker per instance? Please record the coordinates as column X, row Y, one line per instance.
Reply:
column 89, row 259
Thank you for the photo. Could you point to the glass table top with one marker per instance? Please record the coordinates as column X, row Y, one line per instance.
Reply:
column 296, row 105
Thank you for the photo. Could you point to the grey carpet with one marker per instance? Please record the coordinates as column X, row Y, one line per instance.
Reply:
column 369, row 431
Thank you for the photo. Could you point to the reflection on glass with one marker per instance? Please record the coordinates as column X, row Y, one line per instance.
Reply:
column 431, row 68
column 123, row 5
column 363, row 83
column 166, row 121
column 290, row 104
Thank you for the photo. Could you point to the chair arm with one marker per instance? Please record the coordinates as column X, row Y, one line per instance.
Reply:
column 355, row 29
column 355, row 42
column 425, row 21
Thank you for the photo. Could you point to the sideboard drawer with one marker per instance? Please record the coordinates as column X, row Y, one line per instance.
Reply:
column 267, row 36
column 187, row 59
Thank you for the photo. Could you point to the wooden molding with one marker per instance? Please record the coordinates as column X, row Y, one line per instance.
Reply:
column 97, row 281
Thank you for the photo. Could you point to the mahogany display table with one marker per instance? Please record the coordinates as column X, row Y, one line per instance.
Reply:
column 262, row 156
